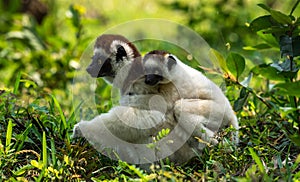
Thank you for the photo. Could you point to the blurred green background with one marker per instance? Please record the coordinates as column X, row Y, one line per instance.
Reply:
column 44, row 40
column 48, row 52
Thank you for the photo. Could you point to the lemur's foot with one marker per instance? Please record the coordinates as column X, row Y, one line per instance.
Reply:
column 76, row 131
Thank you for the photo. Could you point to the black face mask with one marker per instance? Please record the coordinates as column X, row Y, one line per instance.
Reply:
column 153, row 79
column 96, row 69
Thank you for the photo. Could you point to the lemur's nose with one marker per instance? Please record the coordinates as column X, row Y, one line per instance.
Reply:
column 152, row 79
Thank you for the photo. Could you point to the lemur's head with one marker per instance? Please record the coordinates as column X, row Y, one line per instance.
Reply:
column 157, row 65
column 111, row 53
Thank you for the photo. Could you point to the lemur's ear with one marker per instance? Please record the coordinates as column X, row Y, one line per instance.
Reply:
column 120, row 53
column 171, row 61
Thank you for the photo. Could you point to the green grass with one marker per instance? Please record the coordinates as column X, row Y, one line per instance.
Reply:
column 34, row 147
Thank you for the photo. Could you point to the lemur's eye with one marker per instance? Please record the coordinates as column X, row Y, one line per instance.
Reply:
column 120, row 53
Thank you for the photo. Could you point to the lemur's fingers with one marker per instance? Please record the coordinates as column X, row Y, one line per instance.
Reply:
column 189, row 121
column 76, row 132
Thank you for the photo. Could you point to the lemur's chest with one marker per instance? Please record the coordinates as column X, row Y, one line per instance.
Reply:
column 169, row 92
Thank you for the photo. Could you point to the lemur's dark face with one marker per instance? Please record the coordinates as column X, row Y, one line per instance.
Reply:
column 100, row 68
column 111, row 52
column 102, row 64
column 157, row 65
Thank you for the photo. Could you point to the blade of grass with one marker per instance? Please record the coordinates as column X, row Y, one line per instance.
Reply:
column 44, row 143
column 44, row 158
column 64, row 125
column 53, row 152
column 62, row 116
column 8, row 135
column 17, row 83
column 257, row 160
column 72, row 119
column 24, row 136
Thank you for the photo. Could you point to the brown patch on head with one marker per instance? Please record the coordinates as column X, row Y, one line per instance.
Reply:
column 105, row 62
column 104, row 41
column 156, row 52
column 159, row 55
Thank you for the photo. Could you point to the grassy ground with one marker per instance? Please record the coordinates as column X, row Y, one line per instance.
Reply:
column 37, row 145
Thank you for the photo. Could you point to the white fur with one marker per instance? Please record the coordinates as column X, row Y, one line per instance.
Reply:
column 119, row 133
column 193, row 96
column 113, row 48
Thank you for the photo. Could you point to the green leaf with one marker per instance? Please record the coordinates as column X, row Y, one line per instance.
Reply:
column 261, row 23
column 268, row 38
column 268, row 72
column 28, row 83
column 163, row 133
column 218, row 60
column 15, row 35
column 235, row 64
column 34, row 39
column 257, row 160
column 257, row 47
column 22, row 170
column 30, row 36
column 276, row 31
column 265, row 7
column 280, row 17
column 240, row 102
column 36, row 164
column 291, row 89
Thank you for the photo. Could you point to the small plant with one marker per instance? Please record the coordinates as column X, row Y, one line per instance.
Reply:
column 283, row 31
column 268, row 100
column 281, row 87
